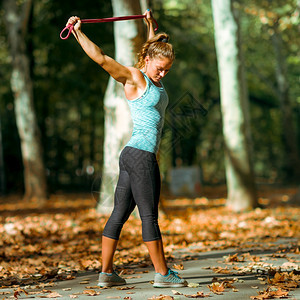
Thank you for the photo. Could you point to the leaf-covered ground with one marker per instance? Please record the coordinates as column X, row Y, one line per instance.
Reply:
column 64, row 238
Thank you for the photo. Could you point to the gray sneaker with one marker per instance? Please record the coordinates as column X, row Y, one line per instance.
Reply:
column 169, row 280
column 110, row 279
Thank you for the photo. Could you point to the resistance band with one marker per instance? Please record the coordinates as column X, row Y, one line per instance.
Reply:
column 70, row 27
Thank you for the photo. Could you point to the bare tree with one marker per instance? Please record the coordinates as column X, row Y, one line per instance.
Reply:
column 118, row 126
column 234, row 107
column 16, row 19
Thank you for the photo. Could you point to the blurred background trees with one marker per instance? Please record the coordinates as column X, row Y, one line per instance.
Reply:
column 68, row 92
column 234, row 106
column 17, row 19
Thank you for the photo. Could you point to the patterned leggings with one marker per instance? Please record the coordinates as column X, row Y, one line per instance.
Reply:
column 138, row 184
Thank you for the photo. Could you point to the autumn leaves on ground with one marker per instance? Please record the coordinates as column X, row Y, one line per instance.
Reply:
column 42, row 245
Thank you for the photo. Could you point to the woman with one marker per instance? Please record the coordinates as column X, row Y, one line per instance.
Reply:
column 139, row 178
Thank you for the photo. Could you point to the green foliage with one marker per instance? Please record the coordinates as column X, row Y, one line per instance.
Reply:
column 260, row 19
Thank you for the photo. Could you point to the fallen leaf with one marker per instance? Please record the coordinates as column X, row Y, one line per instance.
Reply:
column 261, row 278
column 161, row 297
column 178, row 267
column 123, row 288
column 91, row 293
column 233, row 258
column 193, row 285
column 16, row 294
column 198, row 295
column 270, row 294
column 217, row 288
column 176, row 292
column 221, row 270
column 4, row 293
column 53, row 295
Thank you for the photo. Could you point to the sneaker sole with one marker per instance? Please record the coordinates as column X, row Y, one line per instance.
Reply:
column 110, row 284
column 166, row 284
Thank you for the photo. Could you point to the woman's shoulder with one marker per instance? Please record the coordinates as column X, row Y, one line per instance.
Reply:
column 135, row 71
column 137, row 75
column 137, row 85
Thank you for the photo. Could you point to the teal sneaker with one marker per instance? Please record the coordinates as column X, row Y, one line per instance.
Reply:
column 110, row 279
column 169, row 280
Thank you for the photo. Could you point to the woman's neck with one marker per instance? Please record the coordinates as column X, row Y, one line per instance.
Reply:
column 158, row 84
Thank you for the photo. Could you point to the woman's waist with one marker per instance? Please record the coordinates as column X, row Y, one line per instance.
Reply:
column 146, row 130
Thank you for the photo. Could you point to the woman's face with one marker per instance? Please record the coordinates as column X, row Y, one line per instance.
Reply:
column 157, row 68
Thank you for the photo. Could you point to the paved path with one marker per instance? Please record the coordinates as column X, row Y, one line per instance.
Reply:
column 198, row 272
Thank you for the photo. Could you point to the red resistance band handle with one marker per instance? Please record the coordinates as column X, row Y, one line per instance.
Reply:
column 70, row 27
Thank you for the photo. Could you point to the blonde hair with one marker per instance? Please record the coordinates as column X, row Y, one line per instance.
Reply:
column 156, row 47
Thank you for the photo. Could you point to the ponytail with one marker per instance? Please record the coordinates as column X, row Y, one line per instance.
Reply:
column 156, row 47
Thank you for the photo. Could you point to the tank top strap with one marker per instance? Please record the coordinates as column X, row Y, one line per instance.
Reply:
column 150, row 81
column 147, row 78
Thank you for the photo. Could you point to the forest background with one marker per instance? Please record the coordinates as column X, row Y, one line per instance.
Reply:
column 69, row 92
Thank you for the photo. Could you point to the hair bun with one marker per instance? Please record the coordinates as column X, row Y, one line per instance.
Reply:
column 163, row 39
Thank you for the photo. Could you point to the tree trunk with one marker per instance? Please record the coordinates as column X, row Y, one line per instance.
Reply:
column 2, row 166
column 234, row 105
column 295, row 199
column 144, row 5
column 16, row 19
column 118, row 124
column 292, row 162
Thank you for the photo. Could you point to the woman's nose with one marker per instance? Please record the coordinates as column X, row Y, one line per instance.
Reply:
column 162, row 73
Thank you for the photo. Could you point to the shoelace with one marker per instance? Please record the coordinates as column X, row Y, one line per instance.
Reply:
column 70, row 26
column 175, row 277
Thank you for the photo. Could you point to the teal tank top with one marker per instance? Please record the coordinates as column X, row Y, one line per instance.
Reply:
column 148, row 112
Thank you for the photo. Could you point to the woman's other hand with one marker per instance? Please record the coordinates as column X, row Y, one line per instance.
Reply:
column 149, row 17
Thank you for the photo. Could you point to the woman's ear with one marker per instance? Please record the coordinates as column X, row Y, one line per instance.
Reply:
column 147, row 59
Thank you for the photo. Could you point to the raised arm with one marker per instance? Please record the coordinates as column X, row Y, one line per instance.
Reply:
column 149, row 22
column 116, row 70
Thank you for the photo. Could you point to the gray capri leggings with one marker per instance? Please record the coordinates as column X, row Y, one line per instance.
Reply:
column 138, row 184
